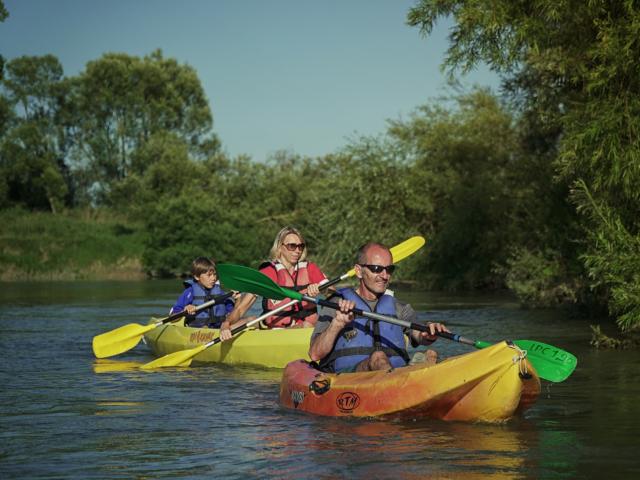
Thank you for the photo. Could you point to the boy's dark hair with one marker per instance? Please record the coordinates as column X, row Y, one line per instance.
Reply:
column 202, row 265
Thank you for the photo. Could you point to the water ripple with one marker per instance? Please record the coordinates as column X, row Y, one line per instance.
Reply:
column 66, row 414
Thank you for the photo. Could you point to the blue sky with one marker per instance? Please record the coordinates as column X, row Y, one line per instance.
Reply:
column 299, row 75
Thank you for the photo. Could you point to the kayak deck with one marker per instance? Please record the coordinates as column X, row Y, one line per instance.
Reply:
column 266, row 348
column 488, row 385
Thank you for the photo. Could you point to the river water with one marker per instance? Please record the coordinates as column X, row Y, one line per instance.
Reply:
column 64, row 414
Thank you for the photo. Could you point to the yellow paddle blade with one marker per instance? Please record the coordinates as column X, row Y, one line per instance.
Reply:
column 401, row 251
column 182, row 358
column 406, row 248
column 119, row 340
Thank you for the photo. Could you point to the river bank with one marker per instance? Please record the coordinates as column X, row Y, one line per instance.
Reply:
column 78, row 245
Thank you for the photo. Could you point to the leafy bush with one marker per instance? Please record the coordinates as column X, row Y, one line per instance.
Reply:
column 612, row 258
column 539, row 279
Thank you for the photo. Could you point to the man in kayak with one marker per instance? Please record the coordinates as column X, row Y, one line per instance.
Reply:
column 342, row 342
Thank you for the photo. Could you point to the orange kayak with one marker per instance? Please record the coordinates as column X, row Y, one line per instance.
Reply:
column 488, row 385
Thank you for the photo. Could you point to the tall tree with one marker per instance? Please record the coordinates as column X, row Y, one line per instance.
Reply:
column 463, row 164
column 31, row 84
column 576, row 63
column 34, row 148
column 124, row 100
column 3, row 16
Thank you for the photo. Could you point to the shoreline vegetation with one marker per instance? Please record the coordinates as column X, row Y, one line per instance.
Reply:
column 125, row 269
column 85, row 245
column 40, row 246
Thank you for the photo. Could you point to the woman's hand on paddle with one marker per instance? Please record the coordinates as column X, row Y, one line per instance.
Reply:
column 313, row 290
column 344, row 316
column 225, row 331
column 190, row 309
column 425, row 338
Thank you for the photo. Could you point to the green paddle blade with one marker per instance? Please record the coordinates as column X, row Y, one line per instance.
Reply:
column 245, row 279
column 551, row 363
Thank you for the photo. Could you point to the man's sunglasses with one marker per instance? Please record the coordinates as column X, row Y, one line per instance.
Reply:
column 379, row 268
column 294, row 246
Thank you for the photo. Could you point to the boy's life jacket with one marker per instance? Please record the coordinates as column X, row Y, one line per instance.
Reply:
column 211, row 317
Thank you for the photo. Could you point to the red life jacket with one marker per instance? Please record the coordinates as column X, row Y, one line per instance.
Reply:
column 301, row 311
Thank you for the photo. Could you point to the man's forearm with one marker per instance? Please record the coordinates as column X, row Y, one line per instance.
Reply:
column 323, row 344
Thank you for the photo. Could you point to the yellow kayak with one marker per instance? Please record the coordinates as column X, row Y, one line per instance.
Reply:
column 488, row 385
column 266, row 348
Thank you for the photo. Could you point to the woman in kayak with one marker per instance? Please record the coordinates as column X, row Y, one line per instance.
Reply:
column 288, row 267
column 342, row 342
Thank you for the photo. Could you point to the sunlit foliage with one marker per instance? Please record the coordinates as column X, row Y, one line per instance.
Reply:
column 572, row 66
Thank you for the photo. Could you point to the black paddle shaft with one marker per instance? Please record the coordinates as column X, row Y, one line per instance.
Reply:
column 210, row 303
column 396, row 321
column 330, row 283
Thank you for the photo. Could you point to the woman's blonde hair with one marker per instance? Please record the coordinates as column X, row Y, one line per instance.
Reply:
column 274, row 253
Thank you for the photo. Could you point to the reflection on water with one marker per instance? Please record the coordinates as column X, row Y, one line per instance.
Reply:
column 65, row 414
column 107, row 365
column 424, row 448
column 119, row 408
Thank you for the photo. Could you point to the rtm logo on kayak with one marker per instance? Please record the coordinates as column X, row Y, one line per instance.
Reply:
column 347, row 402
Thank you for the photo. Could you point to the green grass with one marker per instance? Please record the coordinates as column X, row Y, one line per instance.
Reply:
column 77, row 245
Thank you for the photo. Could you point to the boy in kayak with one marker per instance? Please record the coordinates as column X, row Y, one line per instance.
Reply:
column 202, row 288
column 342, row 342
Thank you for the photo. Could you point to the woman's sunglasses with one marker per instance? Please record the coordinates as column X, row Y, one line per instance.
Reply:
column 294, row 246
column 379, row 268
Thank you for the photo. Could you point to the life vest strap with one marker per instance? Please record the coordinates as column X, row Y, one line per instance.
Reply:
column 347, row 352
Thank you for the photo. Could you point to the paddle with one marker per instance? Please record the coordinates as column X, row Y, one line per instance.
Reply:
column 126, row 337
column 551, row 363
column 183, row 358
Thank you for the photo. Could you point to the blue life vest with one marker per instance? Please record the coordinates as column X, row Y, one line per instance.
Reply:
column 364, row 336
column 209, row 317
